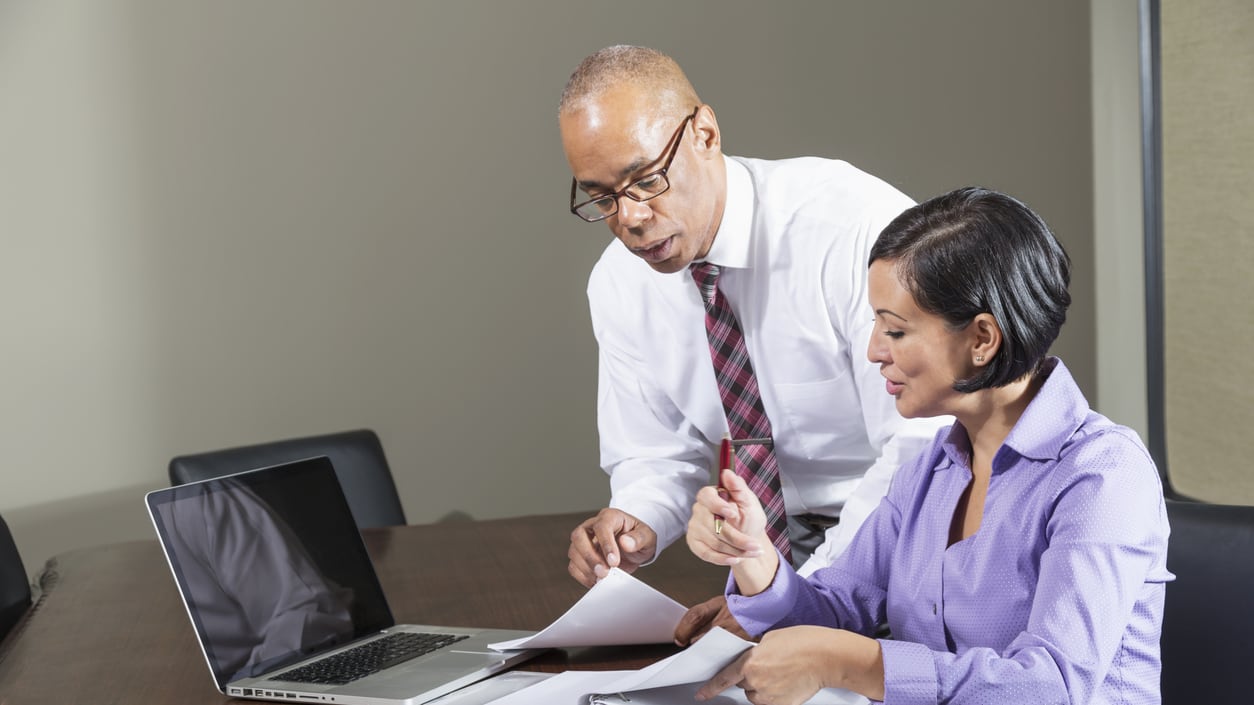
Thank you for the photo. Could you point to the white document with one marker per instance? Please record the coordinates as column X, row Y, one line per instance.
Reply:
column 618, row 610
column 686, row 694
column 669, row 681
column 696, row 664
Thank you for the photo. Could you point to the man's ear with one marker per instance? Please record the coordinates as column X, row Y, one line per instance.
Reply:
column 708, row 139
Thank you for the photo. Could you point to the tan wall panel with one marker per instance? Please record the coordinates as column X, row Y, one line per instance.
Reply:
column 1208, row 232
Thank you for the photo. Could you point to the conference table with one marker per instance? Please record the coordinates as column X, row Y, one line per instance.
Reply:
column 109, row 626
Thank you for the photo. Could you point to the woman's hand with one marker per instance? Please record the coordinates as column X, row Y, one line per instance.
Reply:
column 791, row 665
column 728, row 527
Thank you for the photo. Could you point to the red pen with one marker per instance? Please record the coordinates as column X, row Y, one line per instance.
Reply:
column 724, row 463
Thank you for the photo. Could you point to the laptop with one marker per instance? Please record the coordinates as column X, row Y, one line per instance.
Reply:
column 285, row 601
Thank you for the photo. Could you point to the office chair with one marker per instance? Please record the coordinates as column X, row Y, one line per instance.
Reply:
column 1208, row 626
column 357, row 457
column 14, row 585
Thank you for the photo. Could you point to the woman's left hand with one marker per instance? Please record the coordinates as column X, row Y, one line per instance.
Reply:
column 791, row 665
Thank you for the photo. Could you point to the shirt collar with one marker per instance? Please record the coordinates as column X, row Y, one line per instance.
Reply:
column 1051, row 418
column 731, row 243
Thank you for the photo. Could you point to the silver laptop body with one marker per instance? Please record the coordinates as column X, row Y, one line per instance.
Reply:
column 280, row 589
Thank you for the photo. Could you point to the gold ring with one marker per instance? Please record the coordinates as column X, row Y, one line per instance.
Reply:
column 718, row 526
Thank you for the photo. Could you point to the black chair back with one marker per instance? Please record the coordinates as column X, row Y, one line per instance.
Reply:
column 14, row 584
column 1208, row 621
column 357, row 456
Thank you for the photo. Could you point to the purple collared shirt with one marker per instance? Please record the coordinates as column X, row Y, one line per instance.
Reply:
column 1058, row 598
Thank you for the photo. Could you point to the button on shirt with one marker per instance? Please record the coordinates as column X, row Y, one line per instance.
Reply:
column 1058, row 597
column 793, row 246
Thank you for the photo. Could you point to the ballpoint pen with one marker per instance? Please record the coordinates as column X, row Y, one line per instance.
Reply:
column 725, row 459
column 724, row 463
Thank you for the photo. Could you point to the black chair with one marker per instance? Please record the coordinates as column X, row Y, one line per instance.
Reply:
column 1208, row 621
column 357, row 456
column 14, row 584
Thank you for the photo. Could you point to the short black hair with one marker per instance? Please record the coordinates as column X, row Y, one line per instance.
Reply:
column 973, row 251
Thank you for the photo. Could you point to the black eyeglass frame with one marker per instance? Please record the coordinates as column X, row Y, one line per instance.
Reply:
column 625, row 191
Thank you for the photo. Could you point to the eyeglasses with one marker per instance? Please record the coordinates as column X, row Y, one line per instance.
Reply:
column 646, row 187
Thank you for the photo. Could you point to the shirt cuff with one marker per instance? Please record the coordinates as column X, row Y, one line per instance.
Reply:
column 762, row 611
column 910, row 676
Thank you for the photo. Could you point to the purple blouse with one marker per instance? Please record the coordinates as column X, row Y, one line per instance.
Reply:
column 1058, row 597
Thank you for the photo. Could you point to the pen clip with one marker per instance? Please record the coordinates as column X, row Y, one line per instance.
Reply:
column 768, row 442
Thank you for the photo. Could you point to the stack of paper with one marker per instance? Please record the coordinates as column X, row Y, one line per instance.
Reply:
column 618, row 610
column 621, row 610
column 672, row 680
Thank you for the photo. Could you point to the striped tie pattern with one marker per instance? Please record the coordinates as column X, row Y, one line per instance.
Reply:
column 742, row 402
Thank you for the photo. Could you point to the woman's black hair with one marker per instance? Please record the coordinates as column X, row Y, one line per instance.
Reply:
column 973, row 251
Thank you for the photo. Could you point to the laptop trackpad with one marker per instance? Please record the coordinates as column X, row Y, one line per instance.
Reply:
column 454, row 660
column 441, row 672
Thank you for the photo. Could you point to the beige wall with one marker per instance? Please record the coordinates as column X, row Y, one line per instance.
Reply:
column 234, row 221
column 1208, row 245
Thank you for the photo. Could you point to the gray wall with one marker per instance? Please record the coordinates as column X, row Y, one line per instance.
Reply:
column 235, row 221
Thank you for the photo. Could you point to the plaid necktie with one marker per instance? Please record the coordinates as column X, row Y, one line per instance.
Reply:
column 746, row 418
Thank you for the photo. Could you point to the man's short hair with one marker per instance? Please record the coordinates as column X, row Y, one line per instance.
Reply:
column 622, row 64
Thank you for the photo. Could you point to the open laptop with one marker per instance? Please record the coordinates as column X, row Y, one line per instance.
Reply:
column 285, row 601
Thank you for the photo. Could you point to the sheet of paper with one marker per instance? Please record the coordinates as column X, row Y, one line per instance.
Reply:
column 672, row 680
column 618, row 610
column 676, row 679
column 685, row 694
column 696, row 664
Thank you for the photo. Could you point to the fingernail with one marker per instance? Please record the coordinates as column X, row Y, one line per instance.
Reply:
column 600, row 571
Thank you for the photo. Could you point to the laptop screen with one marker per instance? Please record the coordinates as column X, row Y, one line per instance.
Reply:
column 270, row 564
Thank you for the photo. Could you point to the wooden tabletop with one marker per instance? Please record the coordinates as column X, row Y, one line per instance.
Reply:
column 110, row 627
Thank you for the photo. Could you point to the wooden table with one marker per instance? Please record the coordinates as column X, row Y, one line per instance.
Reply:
column 110, row 627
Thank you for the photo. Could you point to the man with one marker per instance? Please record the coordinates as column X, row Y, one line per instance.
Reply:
column 790, row 239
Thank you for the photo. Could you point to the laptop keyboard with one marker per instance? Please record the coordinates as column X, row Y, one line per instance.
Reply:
column 371, row 657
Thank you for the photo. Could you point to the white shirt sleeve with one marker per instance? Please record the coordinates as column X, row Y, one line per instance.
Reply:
column 656, row 459
column 654, row 471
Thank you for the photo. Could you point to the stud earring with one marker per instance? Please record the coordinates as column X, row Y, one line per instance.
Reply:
column 979, row 358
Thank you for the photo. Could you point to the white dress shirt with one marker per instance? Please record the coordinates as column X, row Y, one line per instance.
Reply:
column 793, row 246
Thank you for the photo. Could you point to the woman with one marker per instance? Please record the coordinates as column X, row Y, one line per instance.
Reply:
column 1022, row 557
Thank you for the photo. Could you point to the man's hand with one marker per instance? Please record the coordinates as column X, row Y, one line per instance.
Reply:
column 611, row 539
column 704, row 617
